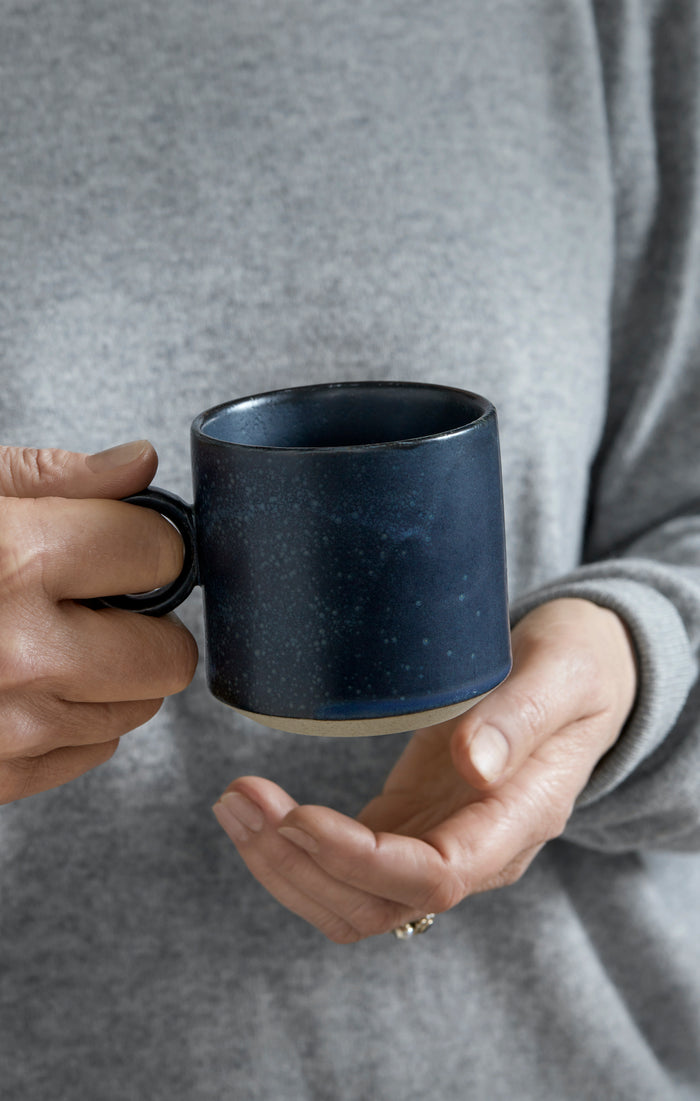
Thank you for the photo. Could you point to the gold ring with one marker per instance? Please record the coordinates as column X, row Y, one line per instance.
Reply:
column 405, row 932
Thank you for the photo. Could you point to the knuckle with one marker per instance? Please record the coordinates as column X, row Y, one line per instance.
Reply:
column 532, row 716
column 16, row 744
column 15, row 664
column 22, row 548
column 30, row 729
column 25, row 776
column 27, row 665
column 571, row 660
column 16, row 780
column 37, row 468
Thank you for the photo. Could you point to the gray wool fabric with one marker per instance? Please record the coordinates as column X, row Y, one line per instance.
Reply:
column 204, row 200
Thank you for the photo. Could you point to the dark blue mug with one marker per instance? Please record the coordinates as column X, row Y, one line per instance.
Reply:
column 349, row 541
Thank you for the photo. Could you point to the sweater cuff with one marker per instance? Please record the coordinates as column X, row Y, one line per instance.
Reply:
column 666, row 668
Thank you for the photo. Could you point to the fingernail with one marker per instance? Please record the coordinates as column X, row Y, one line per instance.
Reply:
column 114, row 457
column 488, row 752
column 238, row 816
column 298, row 837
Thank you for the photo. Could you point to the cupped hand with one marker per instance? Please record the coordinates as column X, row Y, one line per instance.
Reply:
column 469, row 803
column 74, row 678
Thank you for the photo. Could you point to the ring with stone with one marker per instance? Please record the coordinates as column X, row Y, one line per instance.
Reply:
column 405, row 932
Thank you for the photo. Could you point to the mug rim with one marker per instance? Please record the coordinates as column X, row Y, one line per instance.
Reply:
column 487, row 412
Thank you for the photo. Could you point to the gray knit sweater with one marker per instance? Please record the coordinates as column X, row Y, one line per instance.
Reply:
column 200, row 200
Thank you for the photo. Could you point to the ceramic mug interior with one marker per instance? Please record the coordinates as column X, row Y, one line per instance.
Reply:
column 342, row 415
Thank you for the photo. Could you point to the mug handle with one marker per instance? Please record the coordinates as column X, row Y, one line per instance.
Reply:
column 161, row 601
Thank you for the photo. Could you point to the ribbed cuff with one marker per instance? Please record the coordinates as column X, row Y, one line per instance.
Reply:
column 665, row 663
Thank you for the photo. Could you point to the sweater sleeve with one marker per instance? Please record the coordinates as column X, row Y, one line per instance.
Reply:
column 642, row 548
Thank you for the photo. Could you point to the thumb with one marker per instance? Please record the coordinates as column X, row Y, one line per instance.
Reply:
column 52, row 472
column 573, row 666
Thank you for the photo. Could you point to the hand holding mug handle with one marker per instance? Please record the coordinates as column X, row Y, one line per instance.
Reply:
column 75, row 681
column 161, row 601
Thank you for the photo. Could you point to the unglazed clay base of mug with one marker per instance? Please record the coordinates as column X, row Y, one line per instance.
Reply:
column 363, row 728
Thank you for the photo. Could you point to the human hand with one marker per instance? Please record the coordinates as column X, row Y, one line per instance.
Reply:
column 468, row 804
column 73, row 679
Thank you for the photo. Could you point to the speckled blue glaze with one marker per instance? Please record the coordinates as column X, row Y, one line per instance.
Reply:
column 350, row 546
column 349, row 540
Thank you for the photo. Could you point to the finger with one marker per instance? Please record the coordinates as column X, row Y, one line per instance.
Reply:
column 556, row 680
column 409, row 872
column 20, row 779
column 46, row 472
column 36, row 727
column 251, row 823
column 87, row 548
column 417, row 876
column 471, row 849
column 290, row 876
column 250, row 813
column 108, row 654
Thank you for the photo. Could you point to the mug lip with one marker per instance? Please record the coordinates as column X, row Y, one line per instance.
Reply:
column 488, row 412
